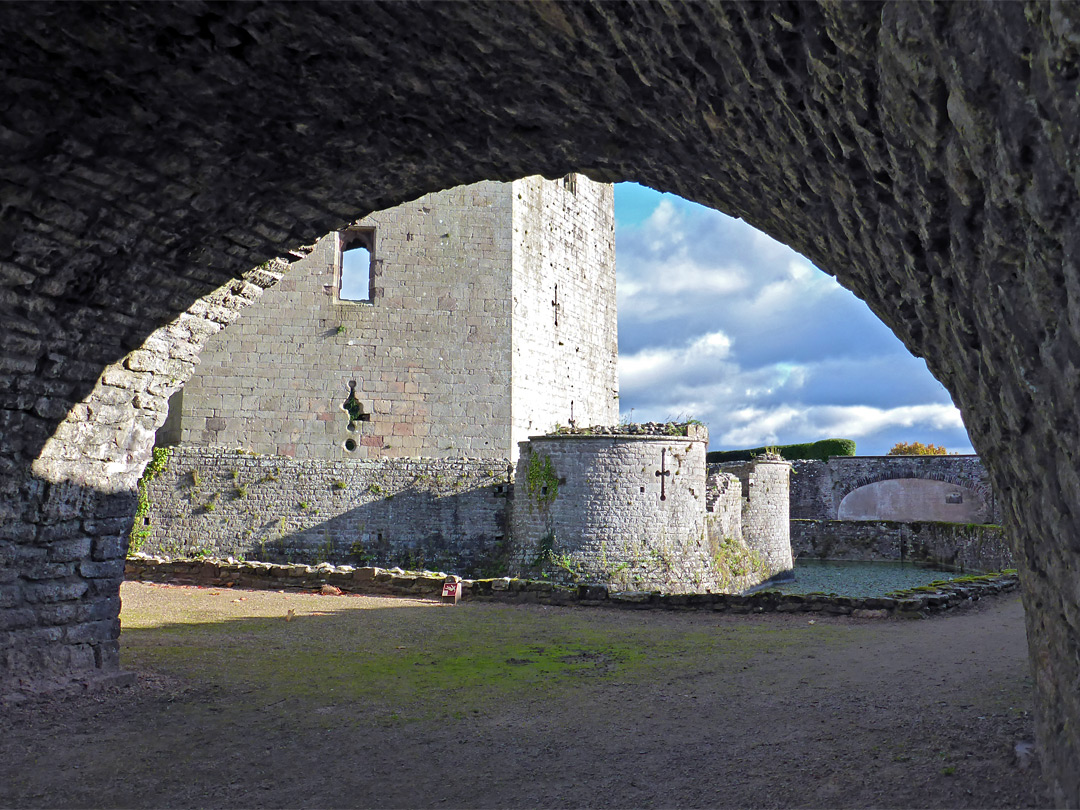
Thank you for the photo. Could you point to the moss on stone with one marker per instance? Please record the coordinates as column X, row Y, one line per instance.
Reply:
column 738, row 566
column 541, row 480
column 140, row 528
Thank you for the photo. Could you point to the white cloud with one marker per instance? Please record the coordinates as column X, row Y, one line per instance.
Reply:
column 658, row 365
column 760, row 426
column 720, row 322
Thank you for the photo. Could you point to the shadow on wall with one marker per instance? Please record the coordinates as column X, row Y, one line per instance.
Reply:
column 385, row 533
column 435, row 514
column 63, row 593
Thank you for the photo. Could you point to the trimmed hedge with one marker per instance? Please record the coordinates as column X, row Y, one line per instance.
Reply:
column 792, row 452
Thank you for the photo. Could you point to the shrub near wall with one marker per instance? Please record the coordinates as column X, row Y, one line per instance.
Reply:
column 821, row 451
column 435, row 513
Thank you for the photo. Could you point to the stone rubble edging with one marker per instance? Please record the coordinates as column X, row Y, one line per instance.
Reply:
column 912, row 603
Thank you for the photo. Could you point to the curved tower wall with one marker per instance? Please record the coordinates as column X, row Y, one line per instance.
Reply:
column 628, row 511
column 766, row 488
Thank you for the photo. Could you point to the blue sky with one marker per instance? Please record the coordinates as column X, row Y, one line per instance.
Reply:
column 719, row 322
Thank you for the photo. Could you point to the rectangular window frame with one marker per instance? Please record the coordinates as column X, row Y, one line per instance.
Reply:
column 345, row 238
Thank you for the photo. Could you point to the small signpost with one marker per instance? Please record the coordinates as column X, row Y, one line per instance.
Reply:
column 451, row 592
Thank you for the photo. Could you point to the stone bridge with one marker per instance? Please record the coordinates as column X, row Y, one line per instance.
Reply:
column 925, row 154
column 902, row 488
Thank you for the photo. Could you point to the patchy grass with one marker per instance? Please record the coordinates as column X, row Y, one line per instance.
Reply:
column 267, row 699
column 411, row 660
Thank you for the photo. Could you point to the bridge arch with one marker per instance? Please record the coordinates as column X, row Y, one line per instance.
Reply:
column 945, row 477
column 920, row 153
column 909, row 500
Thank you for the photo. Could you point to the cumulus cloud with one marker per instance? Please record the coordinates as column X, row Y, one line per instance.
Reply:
column 720, row 322
column 756, row 426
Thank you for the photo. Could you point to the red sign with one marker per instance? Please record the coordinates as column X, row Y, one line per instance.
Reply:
column 451, row 589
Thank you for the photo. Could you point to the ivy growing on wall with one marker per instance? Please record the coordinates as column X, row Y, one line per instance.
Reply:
column 140, row 530
column 541, row 480
column 733, row 562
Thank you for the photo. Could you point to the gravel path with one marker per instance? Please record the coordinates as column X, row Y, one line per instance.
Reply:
column 369, row 702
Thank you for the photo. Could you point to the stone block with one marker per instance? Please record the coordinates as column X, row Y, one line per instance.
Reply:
column 17, row 618
column 45, row 592
column 104, row 609
column 107, row 662
column 115, row 526
column 90, row 632
column 632, row 599
column 61, row 531
column 122, row 378
column 62, row 613
column 109, row 548
column 47, row 571
column 113, row 569
column 69, row 550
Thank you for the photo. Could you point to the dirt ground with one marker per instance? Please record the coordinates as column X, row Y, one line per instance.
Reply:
column 370, row 702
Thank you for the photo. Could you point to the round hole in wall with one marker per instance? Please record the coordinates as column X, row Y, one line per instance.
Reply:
column 350, row 444
column 351, row 427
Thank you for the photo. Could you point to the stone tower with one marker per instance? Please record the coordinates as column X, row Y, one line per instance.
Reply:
column 480, row 315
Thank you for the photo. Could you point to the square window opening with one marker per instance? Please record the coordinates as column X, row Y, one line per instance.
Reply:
column 356, row 263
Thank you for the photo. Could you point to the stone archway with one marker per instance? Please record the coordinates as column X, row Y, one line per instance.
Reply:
column 951, row 489
column 945, row 478
column 911, row 500
column 921, row 153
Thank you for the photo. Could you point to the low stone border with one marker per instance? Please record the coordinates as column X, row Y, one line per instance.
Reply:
column 912, row 603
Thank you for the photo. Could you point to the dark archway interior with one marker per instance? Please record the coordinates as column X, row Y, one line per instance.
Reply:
column 921, row 153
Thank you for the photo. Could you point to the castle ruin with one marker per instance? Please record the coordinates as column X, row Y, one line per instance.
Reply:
column 487, row 313
column 372, row 411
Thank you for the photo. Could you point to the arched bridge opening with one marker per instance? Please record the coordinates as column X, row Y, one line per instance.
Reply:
column 920, row 153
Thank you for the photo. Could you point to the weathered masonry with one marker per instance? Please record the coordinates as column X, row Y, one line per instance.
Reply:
column 632, row 511
column 475, row 317
column 968, row 547
column 765, row 488
column 924, row 153
column 365, row 409
column 639, row 513
column 938, row 509
column 948, row 489
column 442, row 514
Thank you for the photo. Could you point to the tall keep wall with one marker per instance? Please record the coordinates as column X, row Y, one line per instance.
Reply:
column 565, row 337
column 430, row 353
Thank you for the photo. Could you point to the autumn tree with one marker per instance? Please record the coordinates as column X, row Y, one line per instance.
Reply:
column 917, row 449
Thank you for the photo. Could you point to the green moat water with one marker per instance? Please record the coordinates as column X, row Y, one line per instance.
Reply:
column 859, row 578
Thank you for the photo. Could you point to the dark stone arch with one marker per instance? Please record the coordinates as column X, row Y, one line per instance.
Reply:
column 921, row 153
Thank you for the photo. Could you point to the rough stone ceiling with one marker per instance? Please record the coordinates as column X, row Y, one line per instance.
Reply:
column 923, row 153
